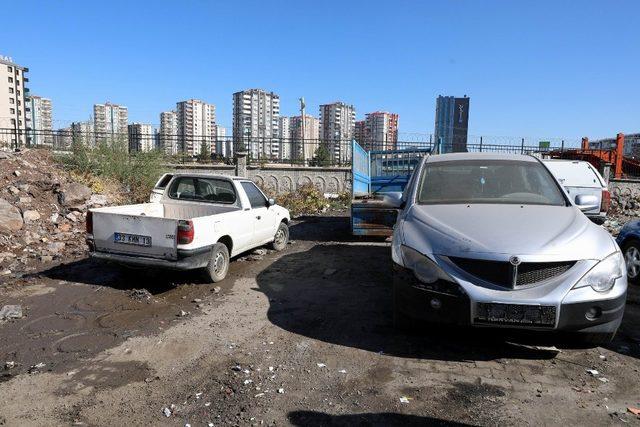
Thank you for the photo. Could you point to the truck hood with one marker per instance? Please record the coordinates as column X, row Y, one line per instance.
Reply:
column 490, row 231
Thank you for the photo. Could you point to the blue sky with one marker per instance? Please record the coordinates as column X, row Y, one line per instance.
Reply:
column 531, row 68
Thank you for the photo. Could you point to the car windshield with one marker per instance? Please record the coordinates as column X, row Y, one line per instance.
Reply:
column 488, row 181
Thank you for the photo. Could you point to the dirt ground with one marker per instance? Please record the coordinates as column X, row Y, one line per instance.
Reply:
column 300, row 337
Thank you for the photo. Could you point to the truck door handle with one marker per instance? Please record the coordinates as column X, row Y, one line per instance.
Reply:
column 258, row 217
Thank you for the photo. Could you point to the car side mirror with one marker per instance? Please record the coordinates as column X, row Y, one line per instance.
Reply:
column 586, row 202
column 271, row 202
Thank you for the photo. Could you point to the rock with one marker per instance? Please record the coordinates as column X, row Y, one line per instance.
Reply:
column 30, row 216
column 10, row 218
column 71, row 217
column 11, row 312
column 74, row 193
column 78, row 208
column 54, row 218
column 13, row 190
column 46, row 258
column 166, row 412
column 9, row 365
column 260, row 252
column 23, row 187
column 216, row 289
column 26, row 200
column 56, row 247
column 98, row 200
column 17, row 173
column 64, row 228
column 4, row 155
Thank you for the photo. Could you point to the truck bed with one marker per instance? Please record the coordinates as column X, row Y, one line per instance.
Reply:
column 373, row 216
column 153, row 227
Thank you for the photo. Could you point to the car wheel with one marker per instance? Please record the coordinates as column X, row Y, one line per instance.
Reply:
column 597, row 339
column 281, row 238
column 218, row 264
column 401, row 321
column 631, row 251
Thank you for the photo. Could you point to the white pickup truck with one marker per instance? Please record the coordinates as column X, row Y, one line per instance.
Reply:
column 193, row 221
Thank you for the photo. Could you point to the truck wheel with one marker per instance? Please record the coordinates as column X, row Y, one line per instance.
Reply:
column 218, row 264
column 281, row 238
column 631, row 251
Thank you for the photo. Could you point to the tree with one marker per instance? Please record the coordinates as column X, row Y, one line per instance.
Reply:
column 322, row 156
column 205, row 154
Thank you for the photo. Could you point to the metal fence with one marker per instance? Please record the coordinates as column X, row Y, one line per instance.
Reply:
column 261, row 150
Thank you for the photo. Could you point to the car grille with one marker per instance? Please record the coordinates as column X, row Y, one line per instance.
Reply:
column 502, row 272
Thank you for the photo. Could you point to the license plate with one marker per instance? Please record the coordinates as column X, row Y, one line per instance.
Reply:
column 516, row 314
column 132, row 239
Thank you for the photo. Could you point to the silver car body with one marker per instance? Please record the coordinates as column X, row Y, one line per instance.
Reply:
column 500, row 232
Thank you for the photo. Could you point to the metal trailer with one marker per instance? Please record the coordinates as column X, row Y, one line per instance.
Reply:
column 378, row 180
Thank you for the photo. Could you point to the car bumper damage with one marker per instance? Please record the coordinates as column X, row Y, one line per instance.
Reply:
column 447, row 302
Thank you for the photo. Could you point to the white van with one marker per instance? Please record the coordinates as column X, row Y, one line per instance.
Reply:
column 579, row 177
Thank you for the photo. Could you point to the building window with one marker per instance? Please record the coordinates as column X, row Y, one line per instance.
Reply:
column 9, row 68
column 12, row 101
column 10, row 90
column 10, row 79
column 12, row 110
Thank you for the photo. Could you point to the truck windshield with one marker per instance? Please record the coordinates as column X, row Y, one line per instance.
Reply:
column 202, row 189
column 488, row 181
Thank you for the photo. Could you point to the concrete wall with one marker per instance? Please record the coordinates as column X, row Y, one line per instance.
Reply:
column 282, row 178
column 624, row 187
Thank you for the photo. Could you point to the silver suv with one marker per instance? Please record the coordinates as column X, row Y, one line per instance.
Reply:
column 493, row 240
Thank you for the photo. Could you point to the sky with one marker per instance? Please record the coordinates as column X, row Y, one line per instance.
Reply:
column 531, row 68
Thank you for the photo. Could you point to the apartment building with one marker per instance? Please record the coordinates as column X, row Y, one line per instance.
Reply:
column 223, row 146
column 381, row 131
column 256, row 123
column 141, row 137
column 41, row 123
column 14, row 108
column 305, row 139
column 284, row 137
column 83, row 133
column 337, row 128
column 110, row 123
column 359, row 132
column 196, row 120
column 168, row 136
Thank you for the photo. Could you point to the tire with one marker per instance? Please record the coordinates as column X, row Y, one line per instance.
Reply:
column 218, row 266
column 600, row 339
column 401, row 321
column 631, row 252
column 281, row 238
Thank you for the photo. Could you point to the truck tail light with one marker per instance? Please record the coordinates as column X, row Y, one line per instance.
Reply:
column 89, row 222
column 185, row 232
column 606, row 201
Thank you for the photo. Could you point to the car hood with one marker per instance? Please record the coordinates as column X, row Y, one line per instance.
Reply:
column 500, row 231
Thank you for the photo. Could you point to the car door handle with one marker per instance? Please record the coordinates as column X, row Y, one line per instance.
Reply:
column 258, row 217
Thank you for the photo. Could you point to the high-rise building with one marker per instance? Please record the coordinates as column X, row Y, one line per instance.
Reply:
column 41, row 123
column 381, row 131
column 223, row 146
column 452, row 123
column 337, row 129
column 141, row 137
column 63, row 138
column 304, row 146
column 83, row 133
column 196, row 120
column 14, row 96
column 359, row 132
column 256, row 122
column 169, row 133
column 284, row 137
column 110, row 123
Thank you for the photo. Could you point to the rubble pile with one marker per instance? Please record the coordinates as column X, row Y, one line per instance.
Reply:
column 625, row 207
column 42, row 212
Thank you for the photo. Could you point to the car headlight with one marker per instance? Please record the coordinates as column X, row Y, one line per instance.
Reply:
column 604, row 274
column 423, row 267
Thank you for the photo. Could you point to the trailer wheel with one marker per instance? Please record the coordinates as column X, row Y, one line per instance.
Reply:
column 218, row 264
column 281, row 238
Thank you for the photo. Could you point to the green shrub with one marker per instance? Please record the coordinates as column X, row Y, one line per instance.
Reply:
column 137, row 172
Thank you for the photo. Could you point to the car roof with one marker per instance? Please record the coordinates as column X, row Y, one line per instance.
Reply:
column 210, row 175
column 480, row 156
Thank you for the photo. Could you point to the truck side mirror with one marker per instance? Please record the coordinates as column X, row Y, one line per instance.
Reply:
column 271, row 202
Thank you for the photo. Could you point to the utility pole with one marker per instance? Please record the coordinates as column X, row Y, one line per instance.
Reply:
column 302, row 105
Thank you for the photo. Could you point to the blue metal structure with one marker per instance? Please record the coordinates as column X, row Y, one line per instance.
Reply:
column 375, row 174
